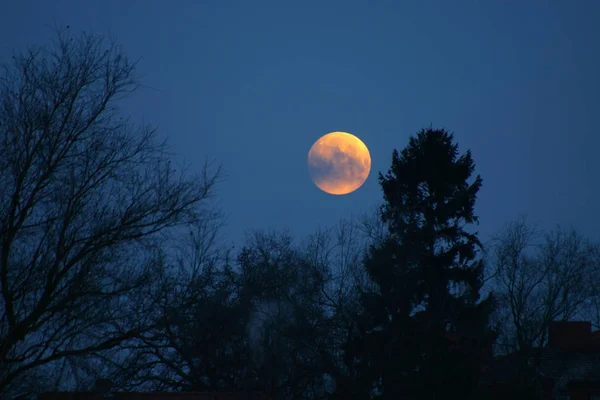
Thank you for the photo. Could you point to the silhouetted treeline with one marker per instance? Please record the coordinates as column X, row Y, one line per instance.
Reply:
column 113, row 270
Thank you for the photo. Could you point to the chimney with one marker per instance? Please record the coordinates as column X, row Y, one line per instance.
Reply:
column 570, row 335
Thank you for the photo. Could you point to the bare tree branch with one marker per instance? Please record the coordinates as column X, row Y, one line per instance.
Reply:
column 540, row 278
column 84, row 197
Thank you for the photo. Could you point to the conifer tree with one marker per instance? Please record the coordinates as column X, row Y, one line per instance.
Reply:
column 423, row 331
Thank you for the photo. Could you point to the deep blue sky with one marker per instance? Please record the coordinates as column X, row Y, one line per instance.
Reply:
column 253, row 84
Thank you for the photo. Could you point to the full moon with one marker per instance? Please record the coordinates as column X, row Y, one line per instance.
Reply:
column 339, row 163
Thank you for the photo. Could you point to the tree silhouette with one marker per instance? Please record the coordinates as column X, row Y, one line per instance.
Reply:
column 85, row 199
column 427, row 276
column 540, row 277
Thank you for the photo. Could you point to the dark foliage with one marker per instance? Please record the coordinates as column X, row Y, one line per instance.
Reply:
column 427, row 277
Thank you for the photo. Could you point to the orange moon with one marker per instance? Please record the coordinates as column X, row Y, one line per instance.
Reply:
column 339, row 163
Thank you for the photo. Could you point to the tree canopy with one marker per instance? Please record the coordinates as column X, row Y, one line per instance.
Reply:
column 427, row 275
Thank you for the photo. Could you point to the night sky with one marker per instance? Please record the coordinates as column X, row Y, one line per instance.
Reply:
column 252, row 84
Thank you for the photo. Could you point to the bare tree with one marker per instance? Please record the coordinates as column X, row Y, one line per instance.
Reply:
column 338, row 252
column 86, row 200
column 200, row 319
column 276, row 318
column 306, row 306
column 540, row 278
